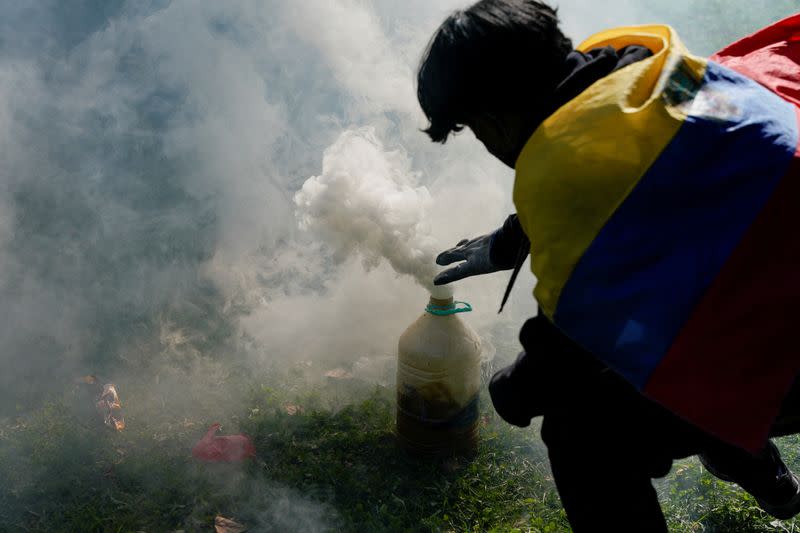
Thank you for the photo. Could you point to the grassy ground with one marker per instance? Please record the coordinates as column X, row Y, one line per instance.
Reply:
column 325, row 466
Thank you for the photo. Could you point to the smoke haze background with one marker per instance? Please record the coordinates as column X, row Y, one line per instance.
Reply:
column 151, row 153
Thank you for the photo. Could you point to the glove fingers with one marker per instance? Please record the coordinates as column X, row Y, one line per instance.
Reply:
column 453, row 274
column 451, row 256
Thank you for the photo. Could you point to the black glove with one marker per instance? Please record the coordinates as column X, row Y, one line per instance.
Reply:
column 499, row 250
column 476, row 256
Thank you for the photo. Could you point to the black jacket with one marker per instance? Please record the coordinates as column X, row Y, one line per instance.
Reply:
column 537, row 381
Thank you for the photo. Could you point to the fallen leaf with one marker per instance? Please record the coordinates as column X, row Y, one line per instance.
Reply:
column 110, row 408
column 338, row 373
column 292, row 409
column 226, row 525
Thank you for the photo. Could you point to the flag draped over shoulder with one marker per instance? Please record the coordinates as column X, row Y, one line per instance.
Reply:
column 663, row 208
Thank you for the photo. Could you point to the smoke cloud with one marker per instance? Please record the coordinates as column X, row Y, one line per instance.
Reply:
column 153, row 152
column 366, row 201
column 156, row 155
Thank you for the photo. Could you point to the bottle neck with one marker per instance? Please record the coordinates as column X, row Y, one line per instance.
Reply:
column 441, row 302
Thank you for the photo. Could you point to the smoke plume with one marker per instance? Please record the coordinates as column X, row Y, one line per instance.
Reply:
column 367, row 201
column 156, row 155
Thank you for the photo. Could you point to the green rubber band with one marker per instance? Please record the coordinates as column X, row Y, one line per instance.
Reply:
column 446, row 310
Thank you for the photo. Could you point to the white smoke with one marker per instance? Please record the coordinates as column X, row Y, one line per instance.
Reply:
column 367, row 201
column 152, row 150
column 151, row 154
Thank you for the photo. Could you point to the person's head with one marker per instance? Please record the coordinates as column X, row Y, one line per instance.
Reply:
column 493, row 68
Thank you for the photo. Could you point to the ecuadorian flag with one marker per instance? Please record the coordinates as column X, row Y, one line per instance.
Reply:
column 663, row 208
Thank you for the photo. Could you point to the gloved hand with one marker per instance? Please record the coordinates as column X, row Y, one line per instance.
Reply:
column 476, row 256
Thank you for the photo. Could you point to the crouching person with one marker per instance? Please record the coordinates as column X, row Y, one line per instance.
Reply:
column 652, row 191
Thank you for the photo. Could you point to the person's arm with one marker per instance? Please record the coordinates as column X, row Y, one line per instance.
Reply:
column 506, row 243
column 550, row 374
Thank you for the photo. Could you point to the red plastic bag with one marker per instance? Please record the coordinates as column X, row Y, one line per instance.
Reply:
column 223, row 448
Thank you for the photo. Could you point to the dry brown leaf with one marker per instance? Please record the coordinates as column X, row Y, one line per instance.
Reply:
column 292, row 409
column 109, row 407
column 338, row 373
column 226, row 525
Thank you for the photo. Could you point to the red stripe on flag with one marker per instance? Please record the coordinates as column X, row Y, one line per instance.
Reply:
column 770, row 56
column 732, row 364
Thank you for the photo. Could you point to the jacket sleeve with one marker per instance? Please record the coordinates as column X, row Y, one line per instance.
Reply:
column 506, row 243
column 550, row 375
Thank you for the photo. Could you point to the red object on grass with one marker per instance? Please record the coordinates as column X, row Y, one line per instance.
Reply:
column 223, row 448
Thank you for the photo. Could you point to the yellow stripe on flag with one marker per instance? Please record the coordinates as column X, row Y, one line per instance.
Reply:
column 582, row 162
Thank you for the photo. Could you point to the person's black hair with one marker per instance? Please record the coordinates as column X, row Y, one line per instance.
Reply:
column 497, row 55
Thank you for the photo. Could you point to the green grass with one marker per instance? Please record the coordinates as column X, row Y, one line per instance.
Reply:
column 694, row 500
column 333, row 465
column 350, row 459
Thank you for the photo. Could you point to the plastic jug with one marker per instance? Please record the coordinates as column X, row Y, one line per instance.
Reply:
column 438, row 381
